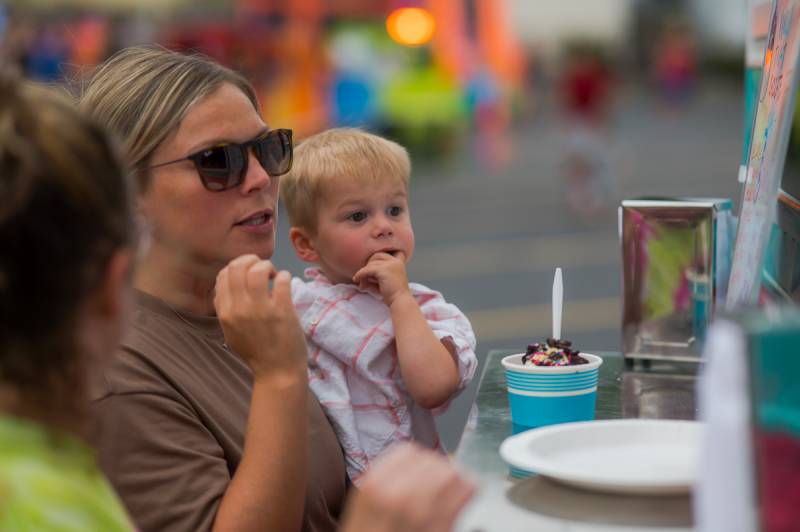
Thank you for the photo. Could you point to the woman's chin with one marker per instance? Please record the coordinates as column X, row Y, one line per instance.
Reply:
column 264, row 249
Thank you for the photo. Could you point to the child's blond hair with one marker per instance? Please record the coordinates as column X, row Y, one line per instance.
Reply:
column 340, row 153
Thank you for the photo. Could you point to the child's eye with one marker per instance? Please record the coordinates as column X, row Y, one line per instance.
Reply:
column 359, row 216
column 395, row 211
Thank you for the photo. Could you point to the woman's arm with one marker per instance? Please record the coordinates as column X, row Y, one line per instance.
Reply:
column 267, row 491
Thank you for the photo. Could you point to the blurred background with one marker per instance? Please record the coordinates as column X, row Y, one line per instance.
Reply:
column 527, row 121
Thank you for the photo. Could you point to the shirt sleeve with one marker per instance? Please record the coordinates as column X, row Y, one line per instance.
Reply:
column 448, row 322
column 165, row 465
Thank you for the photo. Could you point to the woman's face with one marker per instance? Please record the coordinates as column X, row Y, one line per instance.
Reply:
column 204, row 227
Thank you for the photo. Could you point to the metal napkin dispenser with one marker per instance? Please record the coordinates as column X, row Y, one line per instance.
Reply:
column 676, row 262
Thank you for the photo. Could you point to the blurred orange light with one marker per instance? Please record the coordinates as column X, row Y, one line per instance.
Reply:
column 411, row 26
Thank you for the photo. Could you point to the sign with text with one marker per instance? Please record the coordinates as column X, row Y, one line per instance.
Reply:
column 771, row 128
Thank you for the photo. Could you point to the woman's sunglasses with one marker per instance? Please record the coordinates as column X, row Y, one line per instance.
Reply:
column 225, row 166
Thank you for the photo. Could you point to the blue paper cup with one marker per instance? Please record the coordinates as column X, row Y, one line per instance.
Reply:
column 546, row 395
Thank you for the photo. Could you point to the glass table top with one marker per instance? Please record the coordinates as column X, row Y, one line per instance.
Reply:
column 504, row 503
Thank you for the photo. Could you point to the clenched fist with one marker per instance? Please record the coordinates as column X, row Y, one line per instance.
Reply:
column 259, row 320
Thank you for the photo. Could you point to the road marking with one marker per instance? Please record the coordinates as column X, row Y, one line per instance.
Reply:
column 519, row 255
column 532, row 321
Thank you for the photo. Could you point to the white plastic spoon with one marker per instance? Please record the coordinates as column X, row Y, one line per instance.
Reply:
column 558, row 301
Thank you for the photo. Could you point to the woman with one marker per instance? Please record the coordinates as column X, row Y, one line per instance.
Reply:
column 204, row 419
column 67, row 232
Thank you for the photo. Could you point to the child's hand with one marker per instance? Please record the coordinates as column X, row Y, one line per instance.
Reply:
column 384, row 274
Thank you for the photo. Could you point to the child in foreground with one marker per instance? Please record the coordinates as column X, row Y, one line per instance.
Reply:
column 384, row 354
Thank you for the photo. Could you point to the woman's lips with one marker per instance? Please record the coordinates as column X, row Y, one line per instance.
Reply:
column 260, row 222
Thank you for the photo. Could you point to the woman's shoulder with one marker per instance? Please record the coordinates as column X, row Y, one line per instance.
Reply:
column 167, row 351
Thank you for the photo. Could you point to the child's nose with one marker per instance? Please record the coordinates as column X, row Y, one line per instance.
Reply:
column 383, row 226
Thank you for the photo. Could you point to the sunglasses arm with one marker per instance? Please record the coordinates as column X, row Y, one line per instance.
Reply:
column 168, row 162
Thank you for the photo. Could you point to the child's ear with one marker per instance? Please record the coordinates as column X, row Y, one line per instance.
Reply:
column 303, row 245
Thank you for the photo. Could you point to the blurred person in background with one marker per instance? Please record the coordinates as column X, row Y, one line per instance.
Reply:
column 675, row 65
column 204, row 418
column 586, row 86
column 67, row 234
column 491, row 117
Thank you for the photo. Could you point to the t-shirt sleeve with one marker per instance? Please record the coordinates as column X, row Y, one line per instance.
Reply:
column 165, row 465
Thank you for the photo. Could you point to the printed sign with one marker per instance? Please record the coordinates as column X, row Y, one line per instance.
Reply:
column 771, row 128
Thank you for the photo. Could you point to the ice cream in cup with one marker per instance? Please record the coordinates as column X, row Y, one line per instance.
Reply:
column 551, row 383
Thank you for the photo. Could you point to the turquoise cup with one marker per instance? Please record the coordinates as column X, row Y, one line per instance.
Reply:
column 546, row 395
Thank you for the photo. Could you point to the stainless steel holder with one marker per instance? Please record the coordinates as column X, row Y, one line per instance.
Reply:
column 673, row 272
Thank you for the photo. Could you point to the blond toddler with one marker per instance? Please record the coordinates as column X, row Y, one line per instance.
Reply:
column 384, row 354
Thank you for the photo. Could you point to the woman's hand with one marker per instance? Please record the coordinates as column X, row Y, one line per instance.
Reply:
column 260, row 323
column 385, row 274
column 410, row 488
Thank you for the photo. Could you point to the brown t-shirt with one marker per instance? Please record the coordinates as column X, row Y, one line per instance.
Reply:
column 169, row 421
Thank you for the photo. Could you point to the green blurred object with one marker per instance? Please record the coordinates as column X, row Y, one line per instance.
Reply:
column 425, row 108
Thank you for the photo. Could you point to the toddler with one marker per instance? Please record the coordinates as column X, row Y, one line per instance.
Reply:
column 384, row 354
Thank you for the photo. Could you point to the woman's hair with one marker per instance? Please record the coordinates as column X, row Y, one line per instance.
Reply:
column 340, row 153
column 65, row 208
column 143, row 93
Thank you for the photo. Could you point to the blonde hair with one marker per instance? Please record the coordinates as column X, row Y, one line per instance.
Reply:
column 340, row 153
column 143, row 93
column 66, row 209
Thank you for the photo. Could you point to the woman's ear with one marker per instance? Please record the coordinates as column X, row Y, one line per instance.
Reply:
column 303, row 245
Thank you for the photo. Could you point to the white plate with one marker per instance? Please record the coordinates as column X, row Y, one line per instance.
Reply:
column 634, row 456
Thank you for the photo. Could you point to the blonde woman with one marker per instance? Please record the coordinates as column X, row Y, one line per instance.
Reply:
column 67, row 232
column 204, row 419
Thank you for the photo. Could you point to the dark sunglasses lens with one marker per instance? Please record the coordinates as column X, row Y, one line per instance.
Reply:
column 275, row 152
column 220, row 167
column 214, row 159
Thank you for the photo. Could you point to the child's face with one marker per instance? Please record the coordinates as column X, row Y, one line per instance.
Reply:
column 356, row 220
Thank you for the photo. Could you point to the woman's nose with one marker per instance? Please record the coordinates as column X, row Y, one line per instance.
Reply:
column 256, row 177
